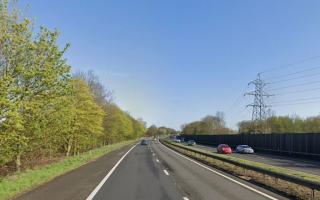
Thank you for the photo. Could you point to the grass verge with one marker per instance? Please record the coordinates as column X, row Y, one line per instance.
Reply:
column 13, row 185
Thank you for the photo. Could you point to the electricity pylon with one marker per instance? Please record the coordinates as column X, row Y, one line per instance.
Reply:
column 259, row 107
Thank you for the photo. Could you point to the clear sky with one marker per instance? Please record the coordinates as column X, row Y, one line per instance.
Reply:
column 175, row 61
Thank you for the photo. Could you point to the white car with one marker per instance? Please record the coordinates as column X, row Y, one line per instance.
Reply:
column 191, row 143
column 177, row 140
column 244, row 149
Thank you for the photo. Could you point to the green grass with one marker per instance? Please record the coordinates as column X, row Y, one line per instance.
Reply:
column 281, row 170
column 13, row 185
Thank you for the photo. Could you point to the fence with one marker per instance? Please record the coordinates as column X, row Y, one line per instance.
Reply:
column 295, row 144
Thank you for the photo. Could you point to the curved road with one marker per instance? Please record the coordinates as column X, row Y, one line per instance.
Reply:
column 155, row 172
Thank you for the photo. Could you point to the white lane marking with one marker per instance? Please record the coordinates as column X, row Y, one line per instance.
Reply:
column 224, row 176
column 185, row 198
column 95, row 191
column 166, row 172
column 158, row 161
column 154, row 154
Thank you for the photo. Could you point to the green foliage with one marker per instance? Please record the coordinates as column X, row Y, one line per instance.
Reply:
column 44, row 111
column 153, row 131
column 85, row 119
column 282, row 124
column 207, row 125
column 33, row 77
column 119, row 125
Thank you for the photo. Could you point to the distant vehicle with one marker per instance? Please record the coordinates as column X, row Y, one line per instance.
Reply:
column 176, row 140
column 244, row 149
column 172, row 137
column 182, row 139
column 224, row 149
column 191, row 143
column 144, row 142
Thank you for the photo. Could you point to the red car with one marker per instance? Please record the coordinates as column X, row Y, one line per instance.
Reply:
column 224, row 148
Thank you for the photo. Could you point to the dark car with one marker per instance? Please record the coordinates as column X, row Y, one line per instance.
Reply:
column 244, row 149
column 224, row 149
column 144, row 142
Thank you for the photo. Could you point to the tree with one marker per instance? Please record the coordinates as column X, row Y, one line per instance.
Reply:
column 207, row 125
column 152, row 131
column 86, row 119
column 138, row 127
column 284, row 124
column 45, row 112
column 33, row 76
column 102, row 95
column 119, row 125
column 246, row 127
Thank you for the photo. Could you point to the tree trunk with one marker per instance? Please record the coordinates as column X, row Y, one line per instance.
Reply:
column 69, row 147
column 75, row 148
column 18, row 162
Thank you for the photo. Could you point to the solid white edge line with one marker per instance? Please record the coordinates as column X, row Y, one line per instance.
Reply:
column 166, row 172
column 96, row 190
column 222, row 175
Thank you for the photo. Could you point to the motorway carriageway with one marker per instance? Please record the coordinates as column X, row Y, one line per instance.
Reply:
column 155, row 172
column 308, row 166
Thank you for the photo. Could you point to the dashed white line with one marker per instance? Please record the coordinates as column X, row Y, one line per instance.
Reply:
column 222, row 175
column 154, row 154
column 158, row 161
column 185, row 198
column 166, row 172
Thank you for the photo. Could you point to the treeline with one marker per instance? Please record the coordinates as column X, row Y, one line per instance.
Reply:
column 153, row 131
column 45, row 112
column 207, row 125
column 282, row 124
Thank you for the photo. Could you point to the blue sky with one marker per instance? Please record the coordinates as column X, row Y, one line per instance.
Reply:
column 172, row 62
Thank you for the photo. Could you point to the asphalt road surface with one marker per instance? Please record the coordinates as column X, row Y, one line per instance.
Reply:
column 308, row 166
column 76, row 184
column 154, row 172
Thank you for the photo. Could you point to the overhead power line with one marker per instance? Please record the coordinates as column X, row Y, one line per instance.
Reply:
column 298, row 91
column 295, row 78
column 293, row 73
column 309, row 81
column 296, row 100
column 289, row 65
column 237, row 99
column 295, row 85
column 291, row 104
